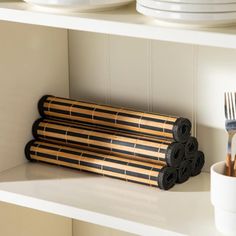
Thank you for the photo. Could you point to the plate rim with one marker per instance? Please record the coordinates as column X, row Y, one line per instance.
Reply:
column 182, row 7
column 183, row 16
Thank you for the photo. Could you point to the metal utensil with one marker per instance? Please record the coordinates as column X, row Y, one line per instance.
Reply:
column 230, row 126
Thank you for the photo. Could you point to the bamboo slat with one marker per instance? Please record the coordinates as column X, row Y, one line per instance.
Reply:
column 110, row 141
column 171, row 127
column 108, row 165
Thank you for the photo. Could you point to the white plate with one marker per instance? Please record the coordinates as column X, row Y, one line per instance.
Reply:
column 77, row 5
column 184, row 7
column 201, row 1
column 208, row 19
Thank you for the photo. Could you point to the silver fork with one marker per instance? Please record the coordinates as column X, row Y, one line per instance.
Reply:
column 230, row 126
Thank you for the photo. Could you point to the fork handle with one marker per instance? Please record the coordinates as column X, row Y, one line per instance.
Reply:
column 234, row 166
column 228, row 170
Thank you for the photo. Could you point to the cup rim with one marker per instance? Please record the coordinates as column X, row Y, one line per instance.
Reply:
column 220, row 174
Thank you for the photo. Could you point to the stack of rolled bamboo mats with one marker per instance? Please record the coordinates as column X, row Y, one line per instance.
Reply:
column 146, row 148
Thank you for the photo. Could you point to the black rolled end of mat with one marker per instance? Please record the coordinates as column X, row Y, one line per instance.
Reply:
column 41, row 103
column 35, row 127
column 190, row 156
column 191, row 146
column 167, row 178
column 198, row 163
column 175, row 154
column 184, row 172
column 27, row 150
column 182, row 130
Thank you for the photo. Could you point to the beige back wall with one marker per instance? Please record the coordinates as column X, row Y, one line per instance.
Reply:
column 173, row 78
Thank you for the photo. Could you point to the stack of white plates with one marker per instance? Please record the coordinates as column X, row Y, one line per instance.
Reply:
column 200, row 12
column 76, row 5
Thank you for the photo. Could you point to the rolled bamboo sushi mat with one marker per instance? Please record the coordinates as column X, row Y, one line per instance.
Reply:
column 176, row 128
column 109, row 141
column 197, row 163
column 108, row 165
column 191, row 146
column 184, row 171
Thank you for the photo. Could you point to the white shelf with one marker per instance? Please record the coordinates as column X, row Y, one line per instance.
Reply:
column 185, row 210
column 124, row 21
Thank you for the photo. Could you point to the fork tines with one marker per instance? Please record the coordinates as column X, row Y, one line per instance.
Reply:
column 230, row 105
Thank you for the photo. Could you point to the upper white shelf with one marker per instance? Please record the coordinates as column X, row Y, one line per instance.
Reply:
column 124, row 21
column 142, row 210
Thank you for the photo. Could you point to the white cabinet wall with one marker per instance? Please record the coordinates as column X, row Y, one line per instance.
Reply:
column 172, row 78
column 179, row 79
column 33, row 61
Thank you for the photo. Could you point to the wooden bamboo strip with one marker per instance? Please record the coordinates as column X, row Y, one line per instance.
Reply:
column 106, row 124
column 83, row 104
column 105, row 161
column 154, row 175
column 116, row 143
column 70, row 110
column 71, row 150
column 124, row 133
column 176, row 128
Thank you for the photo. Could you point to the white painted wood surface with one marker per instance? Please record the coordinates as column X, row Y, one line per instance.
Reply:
column 124, row 21
column 112, row 203
column 20, row 221
column 81, row 228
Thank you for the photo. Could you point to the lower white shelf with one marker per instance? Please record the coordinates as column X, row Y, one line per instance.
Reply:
column 142, row 210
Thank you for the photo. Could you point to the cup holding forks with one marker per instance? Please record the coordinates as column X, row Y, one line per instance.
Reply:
column 230, row 126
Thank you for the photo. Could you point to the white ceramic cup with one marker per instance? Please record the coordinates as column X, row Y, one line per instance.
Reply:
column 223, row 198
